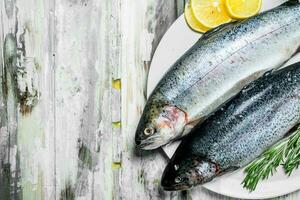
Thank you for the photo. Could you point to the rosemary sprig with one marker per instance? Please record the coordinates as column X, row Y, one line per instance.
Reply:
column 285, row 153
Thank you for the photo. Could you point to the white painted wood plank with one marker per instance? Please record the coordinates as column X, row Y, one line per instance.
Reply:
column 31, row 148
column 36, row 116
column 9, row 174
column 82, row 100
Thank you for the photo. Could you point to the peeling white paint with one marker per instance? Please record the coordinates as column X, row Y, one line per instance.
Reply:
column 146, row 45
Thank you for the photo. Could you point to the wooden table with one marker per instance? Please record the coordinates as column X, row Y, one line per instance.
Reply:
column 72, row 90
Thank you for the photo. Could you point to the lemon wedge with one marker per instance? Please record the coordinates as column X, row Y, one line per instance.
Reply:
column 192, row 21
column 241, row 9
column 210, row 13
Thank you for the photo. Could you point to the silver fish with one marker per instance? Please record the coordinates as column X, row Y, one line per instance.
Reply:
column 215, row 69
column 256, row 118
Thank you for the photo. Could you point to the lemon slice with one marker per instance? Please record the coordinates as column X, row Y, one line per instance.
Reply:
column 192, row 21
column 241, row 9
column 210, row 13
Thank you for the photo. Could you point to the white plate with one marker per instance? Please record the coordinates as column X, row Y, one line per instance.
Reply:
column 177, row 40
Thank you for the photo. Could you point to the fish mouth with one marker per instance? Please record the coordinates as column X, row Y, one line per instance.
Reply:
column 176, row 187
column 151, row 143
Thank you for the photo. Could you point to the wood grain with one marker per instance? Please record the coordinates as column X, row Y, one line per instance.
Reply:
column 73, row 86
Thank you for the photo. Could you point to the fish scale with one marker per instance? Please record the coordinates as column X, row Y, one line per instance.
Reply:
column 259, row 116
column 216, row 68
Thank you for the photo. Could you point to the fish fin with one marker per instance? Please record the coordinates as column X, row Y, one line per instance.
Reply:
column 285, row 69
column 291, row 2
column 228, row 170
column 292, row 130
column 190, row 126
column 217, row 29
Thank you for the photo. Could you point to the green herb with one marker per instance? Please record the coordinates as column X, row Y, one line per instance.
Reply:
column 285, row 153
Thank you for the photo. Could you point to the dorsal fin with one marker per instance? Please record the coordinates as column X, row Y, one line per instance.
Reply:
column 217, row 29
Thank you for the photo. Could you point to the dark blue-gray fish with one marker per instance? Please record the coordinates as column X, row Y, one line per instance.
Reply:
column 259, row 116
column 215, row 69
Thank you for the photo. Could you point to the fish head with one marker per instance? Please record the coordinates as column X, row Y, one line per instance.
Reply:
column 160, row 123
column 188, row 172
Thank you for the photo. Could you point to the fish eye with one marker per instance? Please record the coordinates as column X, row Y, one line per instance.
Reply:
column 178, row 179
column 149, row 131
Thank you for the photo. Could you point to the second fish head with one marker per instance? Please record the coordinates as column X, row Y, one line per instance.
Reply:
column 188, row 171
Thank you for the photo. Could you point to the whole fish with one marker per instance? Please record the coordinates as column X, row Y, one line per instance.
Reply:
column 215, row 69
column 259, row 116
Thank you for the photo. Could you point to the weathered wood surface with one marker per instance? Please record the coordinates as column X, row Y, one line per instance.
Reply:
column 73, row 77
